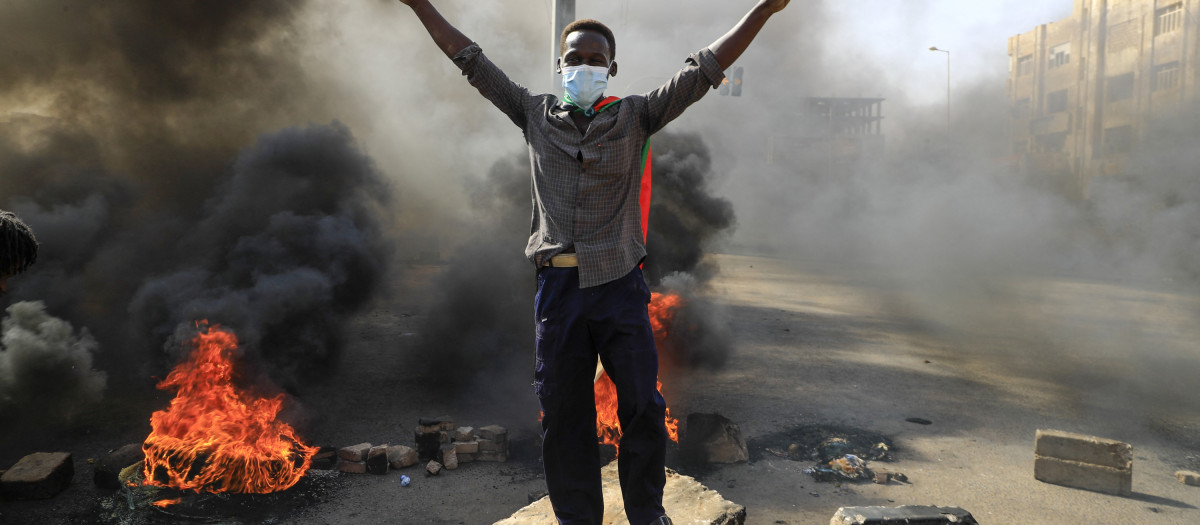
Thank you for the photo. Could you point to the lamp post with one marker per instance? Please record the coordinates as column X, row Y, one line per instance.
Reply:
column 947, row 52
column 563, row 14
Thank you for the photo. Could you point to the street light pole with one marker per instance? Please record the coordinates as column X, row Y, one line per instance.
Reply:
column 947, row 52
column 564, row 13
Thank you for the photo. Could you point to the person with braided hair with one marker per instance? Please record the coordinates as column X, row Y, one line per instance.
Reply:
column 18, row 248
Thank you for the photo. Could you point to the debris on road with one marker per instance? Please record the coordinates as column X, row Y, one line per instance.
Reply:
column 904, row 514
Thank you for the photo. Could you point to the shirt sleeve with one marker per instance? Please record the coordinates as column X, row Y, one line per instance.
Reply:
column 510, row 97
column 689, row 85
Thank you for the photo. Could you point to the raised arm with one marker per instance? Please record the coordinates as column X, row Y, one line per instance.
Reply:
column 447, row 38
column 732, row 44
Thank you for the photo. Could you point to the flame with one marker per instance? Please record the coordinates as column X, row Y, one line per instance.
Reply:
column 164, row 503
column 608, row 428
column 215, row 437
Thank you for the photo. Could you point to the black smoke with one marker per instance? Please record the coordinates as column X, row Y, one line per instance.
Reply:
column 479, row 331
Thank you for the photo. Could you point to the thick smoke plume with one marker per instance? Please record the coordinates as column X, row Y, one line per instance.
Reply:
column 481, row 322
column 46, row 367
column 123, row 124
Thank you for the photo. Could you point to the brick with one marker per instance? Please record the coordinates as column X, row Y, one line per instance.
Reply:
column 108, row 469
column 437, row 423
column 487, row 445
column 904, row 514
column 40, row 475
column 1084, row 449
column 377, row 460
column 325, row 459
column 401, row 456
column 428, row 444
column 1188, row 477
column 493, row 433
column 465, row 458
column 353, row 467
column 433, row 468
column 1085, row 476
column 464, row 434
column 499, row 457
column 450, row 459
column 355, row 452
column 467, row 447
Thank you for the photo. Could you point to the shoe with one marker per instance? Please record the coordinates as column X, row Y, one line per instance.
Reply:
column 662, row 520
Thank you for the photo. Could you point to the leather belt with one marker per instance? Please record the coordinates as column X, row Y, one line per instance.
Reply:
column 563, row 260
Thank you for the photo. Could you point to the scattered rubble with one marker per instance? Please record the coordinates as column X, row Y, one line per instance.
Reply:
column 40, row 475
column 439, row 443
column 1084, row 462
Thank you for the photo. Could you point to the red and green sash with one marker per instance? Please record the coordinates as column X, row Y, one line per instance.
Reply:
column 644, row 200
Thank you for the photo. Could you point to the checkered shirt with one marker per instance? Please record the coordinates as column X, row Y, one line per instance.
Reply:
column 586, row 186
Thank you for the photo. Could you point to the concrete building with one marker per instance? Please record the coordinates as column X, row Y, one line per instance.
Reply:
column 1084, row 90
column 832, row 136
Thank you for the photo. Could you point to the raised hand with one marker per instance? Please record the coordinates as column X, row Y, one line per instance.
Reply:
column 773, row 6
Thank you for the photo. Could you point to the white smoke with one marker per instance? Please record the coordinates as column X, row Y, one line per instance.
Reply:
column 45, row 366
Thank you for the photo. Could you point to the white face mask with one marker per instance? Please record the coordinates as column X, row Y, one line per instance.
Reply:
column 583, row 85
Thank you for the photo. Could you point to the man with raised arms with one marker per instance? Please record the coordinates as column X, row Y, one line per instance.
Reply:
column 587, row 241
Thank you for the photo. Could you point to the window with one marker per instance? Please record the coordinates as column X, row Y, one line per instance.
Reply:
column 1166, row 76
column 1056, row 101
column 1060, row 55
column 1024, row 65
column 1168, row 19
column 1052, row 142
column 1120, row 87
column 1118, row 139
column 1021, row 108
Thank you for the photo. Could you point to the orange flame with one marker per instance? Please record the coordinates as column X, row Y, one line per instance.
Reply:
column 215, row 437
column 164, row 503
column 608, row 428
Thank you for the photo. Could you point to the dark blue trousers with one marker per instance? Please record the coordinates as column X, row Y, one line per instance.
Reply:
column 574, row 326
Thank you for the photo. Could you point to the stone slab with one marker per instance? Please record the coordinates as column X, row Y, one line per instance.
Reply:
column 685, row 500
column 1085, row 476
column 401, row 456
column 1083, row 448
column 902, row 515
column 40, row 475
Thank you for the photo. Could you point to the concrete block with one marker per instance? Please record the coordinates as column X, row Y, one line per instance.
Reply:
column 353, row 467
column 434, row 424
column 487, row 445
column 498, row 457
column 495, row 433
column 401, row 456
column 464, row 434
column 685, row 500
column 1188, row 477
column 377, row 460
column 355, row 452
column 40, row 475
column 109, row 467
column 450, row 459
column 467, row 447
column 1084, row 449
column 325, row 459
column 433, row 468
column 902, row 515
column 428, row 444
column 465, row 458
column 1085, row 476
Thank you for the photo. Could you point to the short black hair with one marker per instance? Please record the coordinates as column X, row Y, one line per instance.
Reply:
column 18, row 246
column 587, row 24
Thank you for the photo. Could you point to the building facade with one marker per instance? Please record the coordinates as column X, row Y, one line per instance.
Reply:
column 1084, row 90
